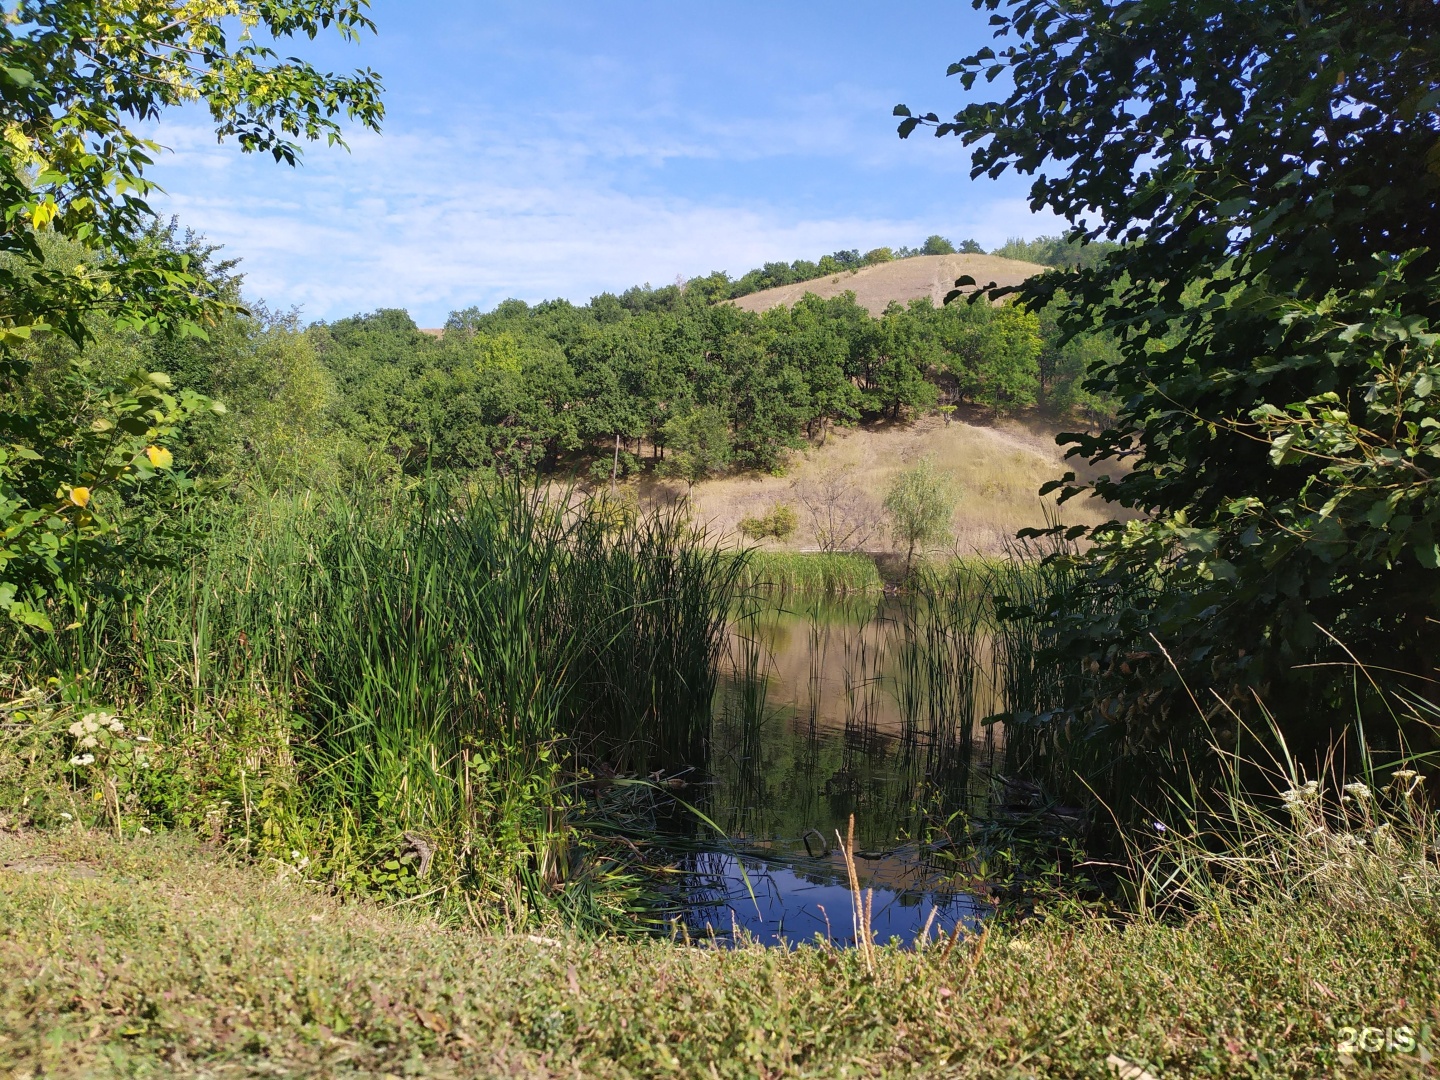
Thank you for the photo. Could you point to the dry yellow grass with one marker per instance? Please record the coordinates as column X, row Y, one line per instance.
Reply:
column 903, row 280
column 997, row 467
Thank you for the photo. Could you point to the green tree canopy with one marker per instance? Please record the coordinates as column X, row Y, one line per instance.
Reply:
column 79, row 75
column 1270, row 172
column 80, row 253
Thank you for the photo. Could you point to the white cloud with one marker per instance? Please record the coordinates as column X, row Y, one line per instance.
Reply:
column 436, row 222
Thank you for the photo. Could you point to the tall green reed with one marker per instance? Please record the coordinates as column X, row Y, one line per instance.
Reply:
column 811, row 572
column 428, row 664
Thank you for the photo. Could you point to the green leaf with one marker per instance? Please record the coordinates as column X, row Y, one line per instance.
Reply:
column 1280, row 452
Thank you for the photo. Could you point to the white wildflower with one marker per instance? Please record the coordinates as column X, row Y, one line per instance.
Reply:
column 144, row 831
column 65, row 817
column 82, row 759
column 77, row 729
column 1358, row 790
column 89, row 742
column 1293, row 797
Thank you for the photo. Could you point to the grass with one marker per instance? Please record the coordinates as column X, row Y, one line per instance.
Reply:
column 160, row 956
column 998, row 467
column 813, row 573
column 398, row 686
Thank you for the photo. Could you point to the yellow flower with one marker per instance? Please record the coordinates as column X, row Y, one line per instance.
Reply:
column 80, row 496
column 160, row 457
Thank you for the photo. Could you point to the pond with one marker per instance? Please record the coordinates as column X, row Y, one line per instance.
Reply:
column 868, row 706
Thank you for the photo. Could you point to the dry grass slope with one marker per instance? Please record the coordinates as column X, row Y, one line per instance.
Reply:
column 997, row 468
column 903, row 280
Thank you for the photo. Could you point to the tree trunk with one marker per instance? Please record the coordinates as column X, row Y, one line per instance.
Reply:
column 615, row 465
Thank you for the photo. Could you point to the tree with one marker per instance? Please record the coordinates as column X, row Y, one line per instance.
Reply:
column 701, row 443
column 919, row 504
column 992, row 351
column 937, row 245
column 1269, row 172
column 842, row 517
column 1061, row 251
column 1008, row 361
column 78, row 76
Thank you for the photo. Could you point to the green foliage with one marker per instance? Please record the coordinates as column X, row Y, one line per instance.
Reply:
column 76, row 75
column 996, row 357
column 1070, row 253
column 339, row 676
column 700, row 441
column 779, row 523
column 1274, row 336
column 80, row 460
column 919, row 504
column 811, row 573
column 79, row 254
column 536, row 388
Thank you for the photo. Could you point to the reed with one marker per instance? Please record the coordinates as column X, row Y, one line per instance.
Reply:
column 1056, row 730
column 1357, row 838
column 862, row 903
column 811, row 573
column 403, row 679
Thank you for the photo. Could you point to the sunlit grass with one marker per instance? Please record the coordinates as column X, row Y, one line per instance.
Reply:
column 152, row 956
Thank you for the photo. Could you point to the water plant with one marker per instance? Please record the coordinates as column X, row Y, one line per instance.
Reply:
column 402, row 684
column 813, row 573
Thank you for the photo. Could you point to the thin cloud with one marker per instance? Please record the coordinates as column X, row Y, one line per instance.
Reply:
column 436, row 221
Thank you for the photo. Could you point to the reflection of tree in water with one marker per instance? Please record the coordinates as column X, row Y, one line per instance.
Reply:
column 869, row 708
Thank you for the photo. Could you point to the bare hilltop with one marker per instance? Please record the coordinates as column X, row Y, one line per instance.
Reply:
column 903, row 280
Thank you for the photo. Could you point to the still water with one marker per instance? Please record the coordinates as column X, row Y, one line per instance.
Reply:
column 828, row 708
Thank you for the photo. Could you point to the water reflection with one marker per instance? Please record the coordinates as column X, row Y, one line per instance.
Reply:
column 869, row 706
column 802, row 902
column 827, row 708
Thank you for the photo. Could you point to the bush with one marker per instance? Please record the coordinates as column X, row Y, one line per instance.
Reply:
column 779, row 523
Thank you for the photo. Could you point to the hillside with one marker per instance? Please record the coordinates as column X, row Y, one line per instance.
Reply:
column 996, row 467
column 903, row 280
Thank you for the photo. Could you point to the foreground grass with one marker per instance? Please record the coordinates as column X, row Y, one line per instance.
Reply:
column 160, row 957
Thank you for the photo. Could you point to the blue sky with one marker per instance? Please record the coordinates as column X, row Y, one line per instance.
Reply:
column 544, row 149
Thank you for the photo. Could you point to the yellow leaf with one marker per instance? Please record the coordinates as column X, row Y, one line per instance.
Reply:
column 80, row 496
column 160, row 457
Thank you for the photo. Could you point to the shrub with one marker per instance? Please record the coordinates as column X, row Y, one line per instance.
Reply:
column 779, row 523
